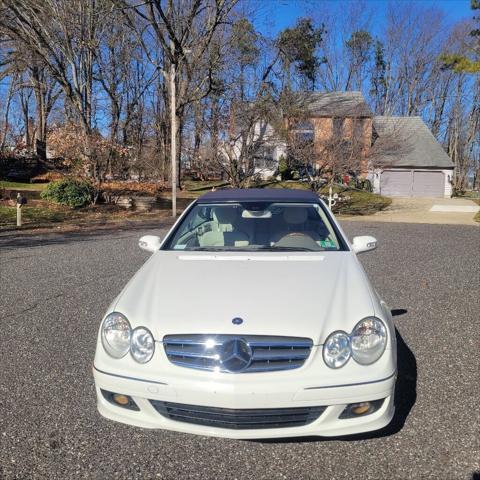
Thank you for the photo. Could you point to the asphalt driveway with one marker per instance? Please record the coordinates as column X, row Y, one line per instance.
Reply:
column 54, row 290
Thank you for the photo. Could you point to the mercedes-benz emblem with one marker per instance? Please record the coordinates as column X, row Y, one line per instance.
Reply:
column 235, row 355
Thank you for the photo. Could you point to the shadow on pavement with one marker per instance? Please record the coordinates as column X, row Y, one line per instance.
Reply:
column 14, row 240
column 405, row 397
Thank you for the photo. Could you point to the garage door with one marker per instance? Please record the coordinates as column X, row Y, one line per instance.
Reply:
column 408, row 183
column 396, row 183
column 428, row 184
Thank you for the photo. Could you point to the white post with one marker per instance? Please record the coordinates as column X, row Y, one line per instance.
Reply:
column 19, row 210
column 173, row 146
column 330, row 197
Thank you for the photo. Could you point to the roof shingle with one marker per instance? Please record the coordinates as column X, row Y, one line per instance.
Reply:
column 407, row 142
column 337, row 104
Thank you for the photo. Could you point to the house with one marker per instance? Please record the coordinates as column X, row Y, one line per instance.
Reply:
column 407, row 161
column 399, row 155
column 261, row 144
column 329, row 115
column 269, row 151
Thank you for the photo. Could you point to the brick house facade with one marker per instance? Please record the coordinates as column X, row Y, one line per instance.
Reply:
column 399, row 155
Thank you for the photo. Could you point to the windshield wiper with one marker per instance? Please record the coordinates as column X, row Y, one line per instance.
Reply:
column 207, row 249
column 251, row 249
column 287, row 249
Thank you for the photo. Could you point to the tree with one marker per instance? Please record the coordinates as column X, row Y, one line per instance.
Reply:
column 244, row 48
column 359, row 47
column 297, row 47
column 61, row 34
column 462, row 136
column 34, row 79
column 469, row 60
column 103, row 69
column 176, row 38
column 378, row 80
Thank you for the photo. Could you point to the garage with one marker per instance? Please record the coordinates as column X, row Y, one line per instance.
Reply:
column 396, row 183
column 410, row 161
column 428, row 184
column 412, row 183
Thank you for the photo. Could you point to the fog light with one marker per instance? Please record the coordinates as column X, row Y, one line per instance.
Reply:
column 361, row 409
column 120, row 400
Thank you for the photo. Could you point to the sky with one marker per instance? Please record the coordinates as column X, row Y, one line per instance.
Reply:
column 275, row 15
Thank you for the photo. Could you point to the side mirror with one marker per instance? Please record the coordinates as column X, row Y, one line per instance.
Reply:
column 150, row 243
column 364, row 243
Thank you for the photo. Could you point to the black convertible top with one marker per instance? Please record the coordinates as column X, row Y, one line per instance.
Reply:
column 259, row 195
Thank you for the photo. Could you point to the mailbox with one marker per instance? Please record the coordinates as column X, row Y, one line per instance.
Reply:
column 21, row 200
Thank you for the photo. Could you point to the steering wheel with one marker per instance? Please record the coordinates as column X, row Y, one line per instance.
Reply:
column 297, row 239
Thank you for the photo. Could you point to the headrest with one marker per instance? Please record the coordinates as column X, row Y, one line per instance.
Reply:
column 295, row 215
column 225, row 215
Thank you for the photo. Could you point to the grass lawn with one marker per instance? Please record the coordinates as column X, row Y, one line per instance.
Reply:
column 22, row 186
column 360, row 202
column 44, row 215
column 32, row 216
column 477, row 215
column 199, row 186
column 474, row 197
column 288, row 184
column 40, row 213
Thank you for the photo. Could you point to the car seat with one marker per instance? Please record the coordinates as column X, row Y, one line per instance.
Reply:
column 296, row 221
column 223, row 232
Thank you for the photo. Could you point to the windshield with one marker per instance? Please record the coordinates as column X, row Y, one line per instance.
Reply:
column 234, row 227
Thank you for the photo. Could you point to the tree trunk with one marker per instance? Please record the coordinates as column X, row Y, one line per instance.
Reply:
column 3, row 137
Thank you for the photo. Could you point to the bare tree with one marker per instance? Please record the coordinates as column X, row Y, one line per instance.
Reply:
column 61, row 34
column 182, row 32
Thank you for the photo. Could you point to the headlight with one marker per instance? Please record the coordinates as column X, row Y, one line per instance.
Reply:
column 368, row 340
column 116, row 334
column 142, row 345
column 336, row 350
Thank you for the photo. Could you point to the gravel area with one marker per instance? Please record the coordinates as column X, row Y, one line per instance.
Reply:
column 55, row 288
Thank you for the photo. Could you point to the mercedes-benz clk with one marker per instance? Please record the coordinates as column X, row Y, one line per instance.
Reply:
column 253, row 318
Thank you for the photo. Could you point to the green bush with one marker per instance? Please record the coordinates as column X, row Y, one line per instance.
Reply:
column 71, row 192
column 284, row 169
column 364, row 184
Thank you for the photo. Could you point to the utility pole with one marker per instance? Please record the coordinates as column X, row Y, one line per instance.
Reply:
column 173, row 145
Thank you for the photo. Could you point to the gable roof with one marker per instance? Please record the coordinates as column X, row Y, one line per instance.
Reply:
column 407, row 142
column 337, row 104
column 259, row 195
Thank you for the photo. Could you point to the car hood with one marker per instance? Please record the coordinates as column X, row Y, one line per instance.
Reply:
column 301, row 295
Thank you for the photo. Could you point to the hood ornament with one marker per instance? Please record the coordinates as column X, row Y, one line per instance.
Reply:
column 237, row 321
column 236, row 355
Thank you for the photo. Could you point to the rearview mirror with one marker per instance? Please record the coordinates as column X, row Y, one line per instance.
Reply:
column 256, row 214
column 150, row 243
column 364, row 243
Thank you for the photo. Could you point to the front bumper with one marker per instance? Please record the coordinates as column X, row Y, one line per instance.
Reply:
column 232, row 395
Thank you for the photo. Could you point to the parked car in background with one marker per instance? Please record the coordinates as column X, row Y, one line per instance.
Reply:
column 253, row 318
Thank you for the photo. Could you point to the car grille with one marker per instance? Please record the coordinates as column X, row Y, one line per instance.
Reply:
column 258, row 353
column 238, row 419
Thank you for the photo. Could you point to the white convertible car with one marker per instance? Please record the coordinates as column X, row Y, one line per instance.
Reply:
column 253, row 318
